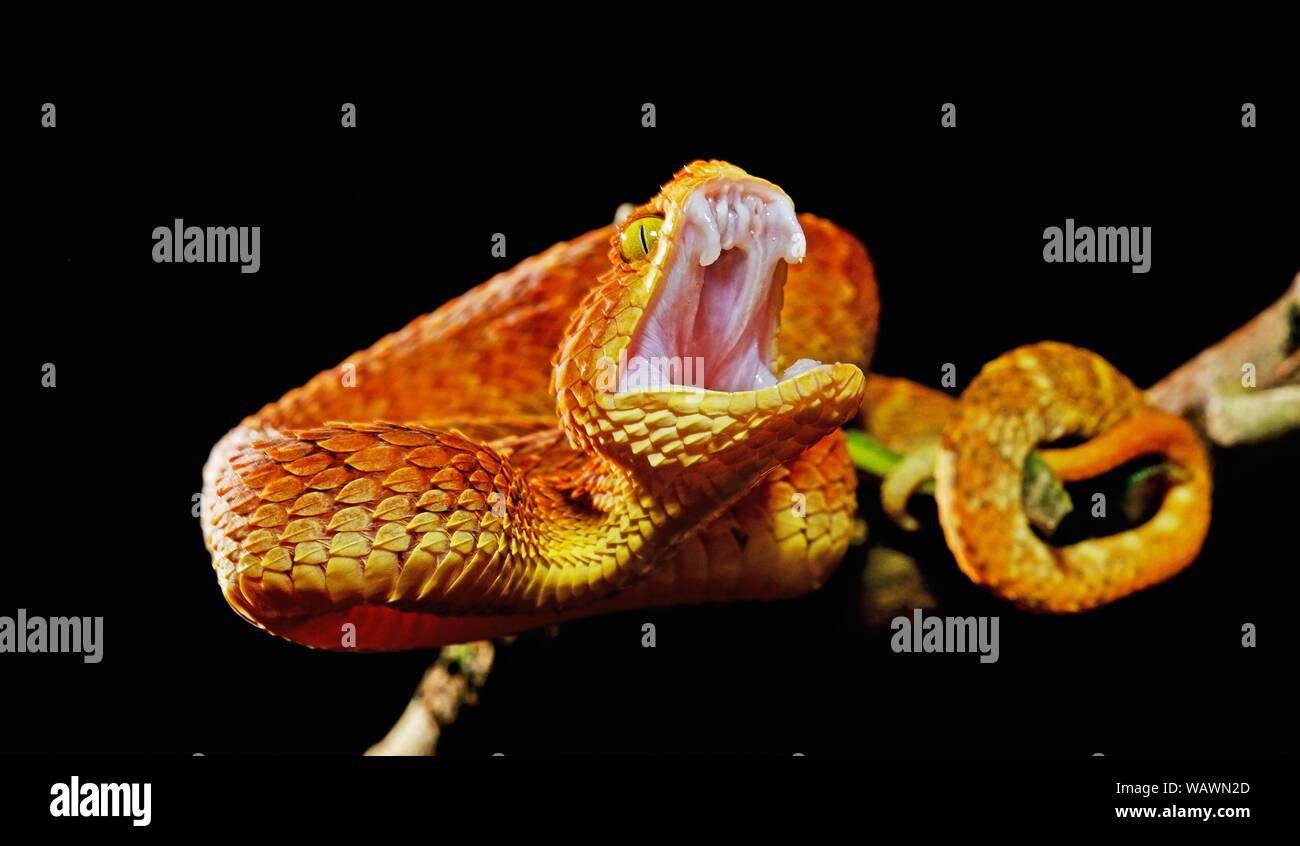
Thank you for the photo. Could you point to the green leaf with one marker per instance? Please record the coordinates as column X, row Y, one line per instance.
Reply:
column 1046, row 501
column 868, row 454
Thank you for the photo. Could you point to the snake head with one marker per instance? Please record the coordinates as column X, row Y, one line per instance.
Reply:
column 667, row 368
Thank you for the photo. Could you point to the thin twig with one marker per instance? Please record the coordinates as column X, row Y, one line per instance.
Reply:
column 453, row 680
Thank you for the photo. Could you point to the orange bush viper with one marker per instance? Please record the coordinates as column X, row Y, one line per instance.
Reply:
column 557, row 466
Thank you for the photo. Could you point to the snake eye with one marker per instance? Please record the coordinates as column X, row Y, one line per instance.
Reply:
column 638, row 238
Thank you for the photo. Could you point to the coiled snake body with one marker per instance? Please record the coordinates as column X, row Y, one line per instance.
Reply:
column 648, row 414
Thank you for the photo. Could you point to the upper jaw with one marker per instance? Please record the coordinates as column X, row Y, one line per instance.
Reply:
column 744, row 213
column 718, row 280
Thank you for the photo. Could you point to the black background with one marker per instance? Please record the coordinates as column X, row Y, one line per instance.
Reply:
column 462, row 135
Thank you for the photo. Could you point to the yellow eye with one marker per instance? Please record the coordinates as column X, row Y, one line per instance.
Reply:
column 638, row 238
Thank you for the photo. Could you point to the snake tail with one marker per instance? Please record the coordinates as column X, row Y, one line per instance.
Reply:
column 1035, row 395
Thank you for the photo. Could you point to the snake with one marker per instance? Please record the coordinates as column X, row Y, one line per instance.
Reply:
column 649, row 414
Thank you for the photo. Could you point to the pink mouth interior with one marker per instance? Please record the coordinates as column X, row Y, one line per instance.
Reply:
column 717, row 306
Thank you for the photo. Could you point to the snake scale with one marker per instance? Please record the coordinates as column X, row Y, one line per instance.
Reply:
column 532, row 451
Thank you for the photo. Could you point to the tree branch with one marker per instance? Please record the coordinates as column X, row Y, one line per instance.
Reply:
column 1238, row 391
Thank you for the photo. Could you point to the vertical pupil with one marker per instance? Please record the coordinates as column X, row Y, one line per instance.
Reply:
column 644, row 246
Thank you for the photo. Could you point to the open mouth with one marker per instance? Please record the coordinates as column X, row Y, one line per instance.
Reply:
column 713, row 318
